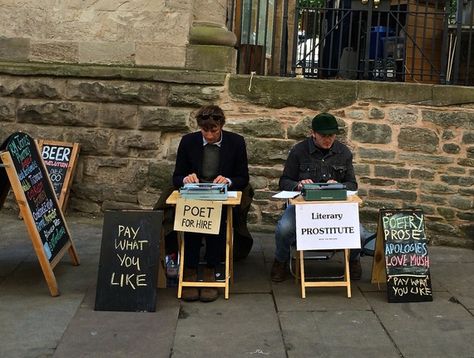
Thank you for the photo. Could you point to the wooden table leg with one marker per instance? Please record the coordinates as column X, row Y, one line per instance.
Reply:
column 181, row 264
column 347, row 275
column 228, row 250
column 302, row 275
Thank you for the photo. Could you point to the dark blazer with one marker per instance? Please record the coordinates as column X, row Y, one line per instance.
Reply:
column 232, row 163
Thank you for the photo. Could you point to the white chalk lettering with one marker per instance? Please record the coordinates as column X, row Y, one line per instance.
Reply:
column 128, row 231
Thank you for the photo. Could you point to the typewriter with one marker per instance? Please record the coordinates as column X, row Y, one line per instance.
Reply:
column 324, row 191
column 204, row 191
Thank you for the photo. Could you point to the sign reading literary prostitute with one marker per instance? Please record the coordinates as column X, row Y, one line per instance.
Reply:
column 403, row 256
column 201, row 216
column 128, row 265
column 327, row 226
column 60, row 159
column 38, row 204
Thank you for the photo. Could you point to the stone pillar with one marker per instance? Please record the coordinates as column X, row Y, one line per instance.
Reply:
column 211, row 44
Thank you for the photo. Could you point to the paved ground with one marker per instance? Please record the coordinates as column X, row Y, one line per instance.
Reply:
column 260, row 319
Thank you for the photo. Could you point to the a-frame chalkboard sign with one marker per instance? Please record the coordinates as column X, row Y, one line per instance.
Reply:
column 24, row 171
column 60, row 159
column 401, row 256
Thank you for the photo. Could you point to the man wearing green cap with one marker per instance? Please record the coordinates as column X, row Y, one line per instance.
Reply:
column 320, row 158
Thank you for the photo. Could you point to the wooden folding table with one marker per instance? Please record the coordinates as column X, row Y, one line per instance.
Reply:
column 229, row 203
column 346, row 282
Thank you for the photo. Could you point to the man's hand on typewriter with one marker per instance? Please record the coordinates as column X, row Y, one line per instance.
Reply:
column 191, row 178
column 304, row 181
column 221, row 180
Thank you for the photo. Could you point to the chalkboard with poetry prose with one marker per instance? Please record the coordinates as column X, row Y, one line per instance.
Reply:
column 405, row 255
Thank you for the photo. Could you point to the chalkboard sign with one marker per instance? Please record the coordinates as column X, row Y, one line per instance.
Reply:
column 128, row 265
column 37, row 202
column 405, row 249
column 60, row 159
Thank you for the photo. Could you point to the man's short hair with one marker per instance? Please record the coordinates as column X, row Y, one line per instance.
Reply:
column 210, row 116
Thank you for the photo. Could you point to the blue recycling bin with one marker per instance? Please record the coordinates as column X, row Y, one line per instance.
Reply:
column 377, row 35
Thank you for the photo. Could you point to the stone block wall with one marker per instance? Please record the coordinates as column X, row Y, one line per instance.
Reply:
column 413, row 144
column 137, row 32
column 160, row 33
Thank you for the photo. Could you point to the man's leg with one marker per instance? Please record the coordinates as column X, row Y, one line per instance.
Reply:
column 285, row 236
column 215, row 245
column 192, row 249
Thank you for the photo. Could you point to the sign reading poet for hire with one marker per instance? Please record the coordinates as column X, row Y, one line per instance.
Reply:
column 201, row 216
column 327, row 226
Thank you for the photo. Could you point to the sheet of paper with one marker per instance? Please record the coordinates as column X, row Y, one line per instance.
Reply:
column 351, row 192
column 231, row 194
column 286, row 194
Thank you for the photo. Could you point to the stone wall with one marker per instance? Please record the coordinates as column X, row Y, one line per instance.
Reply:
column 137, row 32
column 413, row 144
column 187, row 34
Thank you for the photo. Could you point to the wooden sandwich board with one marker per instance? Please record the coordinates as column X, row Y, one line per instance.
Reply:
column 60, row 159
column 24, row 171
column 401, row 256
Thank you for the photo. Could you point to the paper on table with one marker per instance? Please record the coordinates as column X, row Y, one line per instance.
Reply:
column 286, row 194
column 231, row 194
column 351, row 192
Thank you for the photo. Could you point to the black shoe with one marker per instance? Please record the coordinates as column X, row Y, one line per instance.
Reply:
column 355, row 270
column 279, row 271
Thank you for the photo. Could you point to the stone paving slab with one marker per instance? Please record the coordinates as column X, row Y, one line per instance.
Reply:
column 426, row 329
column 335, row 334
column 259, row 319
column 246, row 325
column 121, row 334
column 459, row 282
column 251, row 275
column 440, row 254
column 32, row 322
column 288, row 293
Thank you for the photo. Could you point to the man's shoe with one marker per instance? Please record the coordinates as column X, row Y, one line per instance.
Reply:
column 279, row 271
column 209, row 294
column 355, row 270
column 190, row 293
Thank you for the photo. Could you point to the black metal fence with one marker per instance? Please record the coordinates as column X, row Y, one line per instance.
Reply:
column 425, row 41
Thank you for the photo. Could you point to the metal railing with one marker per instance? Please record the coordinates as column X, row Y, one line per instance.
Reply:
column 425, row 41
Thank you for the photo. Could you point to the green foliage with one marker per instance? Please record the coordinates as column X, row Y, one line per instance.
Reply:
column 310, row 3
column 452, row 9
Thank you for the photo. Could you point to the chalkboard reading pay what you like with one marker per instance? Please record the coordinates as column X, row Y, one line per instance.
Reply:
column 406, row 256
column 128, row 261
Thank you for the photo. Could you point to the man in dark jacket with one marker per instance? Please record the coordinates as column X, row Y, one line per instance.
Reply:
column 318, row 159
column 216, row 156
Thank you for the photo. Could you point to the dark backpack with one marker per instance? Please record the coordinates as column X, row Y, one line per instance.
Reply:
column 367, row 240
column 368, row 249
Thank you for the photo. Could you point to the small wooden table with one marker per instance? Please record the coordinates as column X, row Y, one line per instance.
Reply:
column 229, row 269
column 346, row 282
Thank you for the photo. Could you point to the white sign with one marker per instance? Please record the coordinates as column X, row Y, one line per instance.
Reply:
column 327, row 226
column 198, row 216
